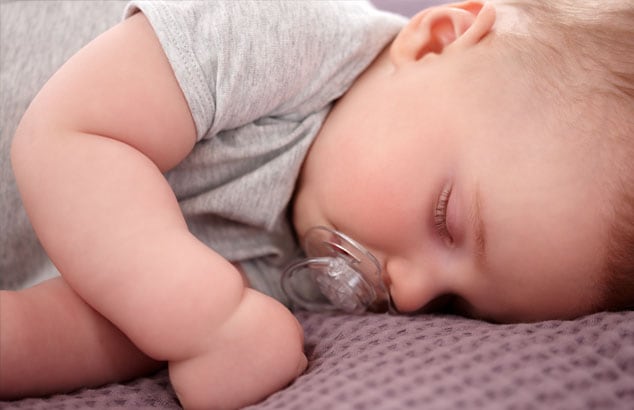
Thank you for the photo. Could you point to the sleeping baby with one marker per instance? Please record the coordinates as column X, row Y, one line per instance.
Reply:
column 476, row 158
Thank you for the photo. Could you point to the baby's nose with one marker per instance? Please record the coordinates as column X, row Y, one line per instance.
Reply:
column 412, row 285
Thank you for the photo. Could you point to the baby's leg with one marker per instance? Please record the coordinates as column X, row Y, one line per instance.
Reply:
column 89, row 158
column 52, row 341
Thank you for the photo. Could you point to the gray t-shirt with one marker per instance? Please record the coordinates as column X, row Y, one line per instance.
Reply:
column 259, row 78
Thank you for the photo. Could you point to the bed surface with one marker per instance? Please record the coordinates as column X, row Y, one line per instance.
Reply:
column 355, row 362
column 430, row 362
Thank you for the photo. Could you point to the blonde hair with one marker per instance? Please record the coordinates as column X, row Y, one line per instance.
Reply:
column 583, row 50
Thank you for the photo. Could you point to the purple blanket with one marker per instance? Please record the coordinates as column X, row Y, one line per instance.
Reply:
column 431, row 362
column 356, row 362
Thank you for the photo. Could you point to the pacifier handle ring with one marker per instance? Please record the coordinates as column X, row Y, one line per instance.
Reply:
column 319, row 238
column 295, row 297
column 340, row 267
column 344, row 251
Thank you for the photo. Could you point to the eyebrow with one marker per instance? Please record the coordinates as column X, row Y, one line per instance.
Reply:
column 479, row 231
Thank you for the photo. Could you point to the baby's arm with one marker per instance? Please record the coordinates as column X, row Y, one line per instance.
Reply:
column 88, row 157
column 52, row 342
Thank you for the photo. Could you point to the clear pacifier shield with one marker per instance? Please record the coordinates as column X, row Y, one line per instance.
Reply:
column 338, row 274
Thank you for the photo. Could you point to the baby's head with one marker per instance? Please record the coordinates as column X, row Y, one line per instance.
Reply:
column 484, row 156
column 584, row 52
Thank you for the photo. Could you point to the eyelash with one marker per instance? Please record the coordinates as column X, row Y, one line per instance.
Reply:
column 440, row 215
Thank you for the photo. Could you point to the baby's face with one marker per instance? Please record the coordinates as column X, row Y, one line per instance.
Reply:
column 447, row 173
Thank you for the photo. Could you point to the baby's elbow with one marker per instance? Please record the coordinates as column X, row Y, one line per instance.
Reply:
column 37, row 136
column 36, row 151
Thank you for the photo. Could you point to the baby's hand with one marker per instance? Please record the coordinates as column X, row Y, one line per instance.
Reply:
column 256, row 352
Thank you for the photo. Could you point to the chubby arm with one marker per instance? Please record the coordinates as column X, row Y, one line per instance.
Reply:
column 88, row 158
column 52, row 342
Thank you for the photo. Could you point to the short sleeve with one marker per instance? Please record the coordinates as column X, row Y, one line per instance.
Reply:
column 238, row 61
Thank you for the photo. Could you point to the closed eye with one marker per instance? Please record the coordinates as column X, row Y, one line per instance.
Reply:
column 440, row 215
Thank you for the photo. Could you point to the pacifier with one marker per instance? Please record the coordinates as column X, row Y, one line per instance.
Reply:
column 337, row 274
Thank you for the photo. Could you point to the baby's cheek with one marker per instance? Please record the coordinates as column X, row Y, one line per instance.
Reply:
column 387, row 215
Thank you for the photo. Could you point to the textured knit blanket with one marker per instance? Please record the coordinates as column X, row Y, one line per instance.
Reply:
column 355, row 362
column 428, row 362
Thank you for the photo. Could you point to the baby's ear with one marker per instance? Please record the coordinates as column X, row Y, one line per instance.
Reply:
column 435, row 28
